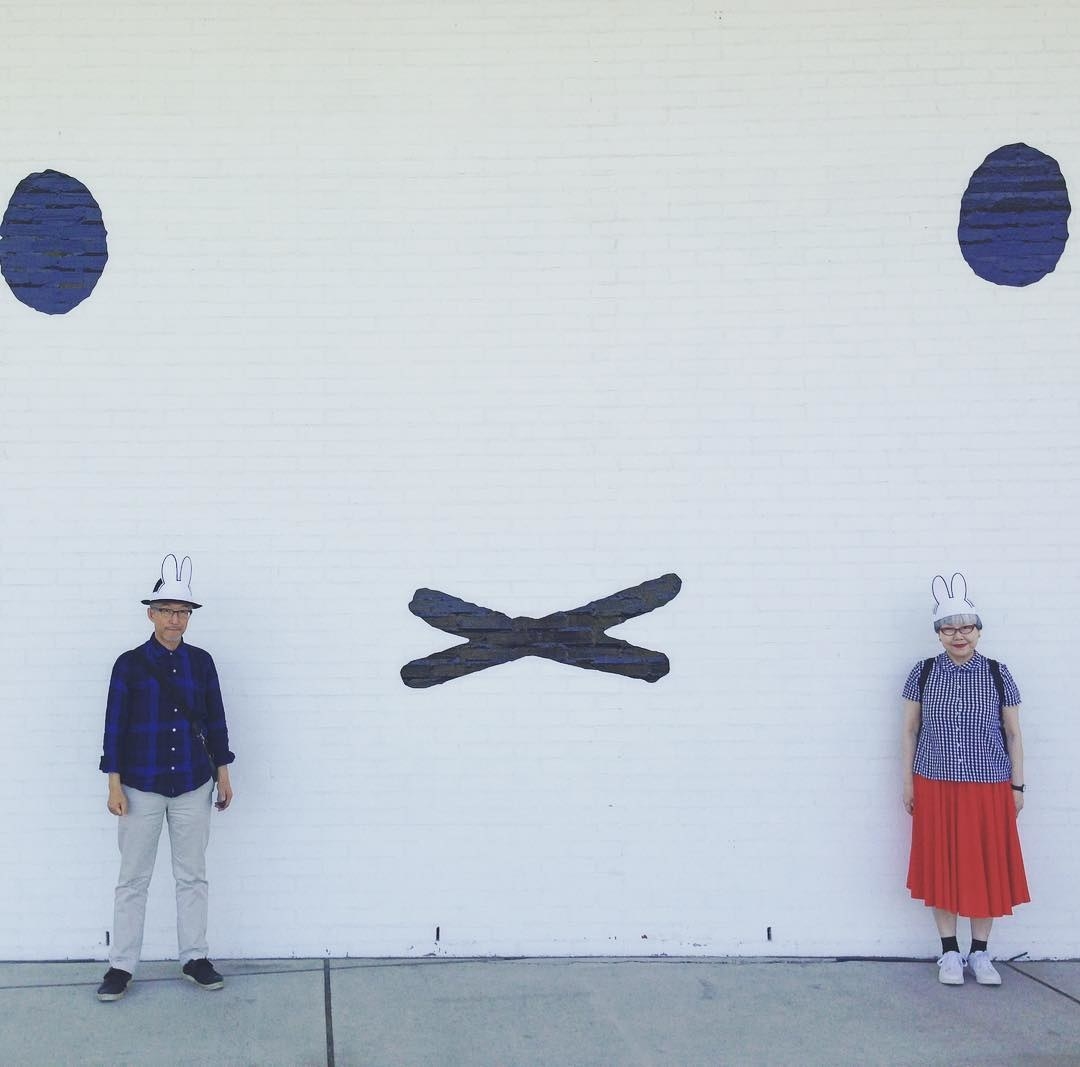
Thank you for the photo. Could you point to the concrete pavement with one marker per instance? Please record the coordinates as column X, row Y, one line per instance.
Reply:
column 513, row 1013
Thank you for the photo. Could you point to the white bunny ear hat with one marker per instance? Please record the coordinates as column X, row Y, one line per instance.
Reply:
column 951, row 597
column 174, row 583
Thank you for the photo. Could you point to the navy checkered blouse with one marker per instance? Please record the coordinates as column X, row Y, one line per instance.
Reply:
column 961, row 739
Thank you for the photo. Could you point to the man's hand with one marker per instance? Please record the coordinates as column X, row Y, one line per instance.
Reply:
column 117, row 802
column 224, row 789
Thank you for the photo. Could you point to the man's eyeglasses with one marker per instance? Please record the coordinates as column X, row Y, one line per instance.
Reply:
column 180, row 613
column 945, row 631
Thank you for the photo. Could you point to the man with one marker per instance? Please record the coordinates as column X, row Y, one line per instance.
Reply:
column 166, row 741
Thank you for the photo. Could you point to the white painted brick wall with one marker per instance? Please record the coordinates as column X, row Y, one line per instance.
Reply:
column 529, row 303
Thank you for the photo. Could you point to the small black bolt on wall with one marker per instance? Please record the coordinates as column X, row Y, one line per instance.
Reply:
column 576, row 637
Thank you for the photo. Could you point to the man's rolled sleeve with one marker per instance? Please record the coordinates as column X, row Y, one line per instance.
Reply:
column 217, row 730
column 115, row 720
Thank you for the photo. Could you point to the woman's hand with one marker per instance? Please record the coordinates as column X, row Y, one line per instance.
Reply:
column 1014, row 745
column 908, row 739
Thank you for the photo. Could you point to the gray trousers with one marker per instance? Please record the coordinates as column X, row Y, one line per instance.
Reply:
column 188, row 817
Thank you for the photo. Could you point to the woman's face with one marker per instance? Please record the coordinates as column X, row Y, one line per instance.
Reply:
column 959, row 645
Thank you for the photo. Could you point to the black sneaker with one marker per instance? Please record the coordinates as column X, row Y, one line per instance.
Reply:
column 202, row 973
column 114, row 984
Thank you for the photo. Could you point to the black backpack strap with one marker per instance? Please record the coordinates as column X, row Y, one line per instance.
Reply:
column 999, row 682
column 927, row 667
column 999, row 685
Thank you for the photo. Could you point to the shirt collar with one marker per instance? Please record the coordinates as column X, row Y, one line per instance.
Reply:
column 158, row 651
column 947, row 664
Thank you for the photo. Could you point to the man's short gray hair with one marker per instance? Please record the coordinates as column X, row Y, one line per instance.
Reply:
column 958, row 620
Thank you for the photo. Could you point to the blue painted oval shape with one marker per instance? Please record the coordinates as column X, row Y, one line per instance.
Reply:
column 1014, row 216
column 52, row 242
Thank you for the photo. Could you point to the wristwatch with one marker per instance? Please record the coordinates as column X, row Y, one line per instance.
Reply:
column 1018, row 788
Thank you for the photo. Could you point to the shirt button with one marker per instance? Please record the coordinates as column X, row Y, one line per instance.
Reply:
column 172, row 768
column 174, row 729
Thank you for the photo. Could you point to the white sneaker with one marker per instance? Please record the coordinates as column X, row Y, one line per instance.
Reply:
column 951, row 969
column 983, row 969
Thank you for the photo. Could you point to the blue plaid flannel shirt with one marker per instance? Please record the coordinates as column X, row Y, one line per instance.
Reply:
column 148, row 740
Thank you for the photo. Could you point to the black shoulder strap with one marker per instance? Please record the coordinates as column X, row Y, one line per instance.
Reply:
column 927, row 667
column 999, row 685
column 999, row 682
column 167, row 684
column 169, row 687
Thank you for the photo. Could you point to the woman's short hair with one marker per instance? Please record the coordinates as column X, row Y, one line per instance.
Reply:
column 958, row 620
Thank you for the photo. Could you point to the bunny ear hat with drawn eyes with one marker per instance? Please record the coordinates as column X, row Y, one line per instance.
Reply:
column 174, row 583
column 951, row 598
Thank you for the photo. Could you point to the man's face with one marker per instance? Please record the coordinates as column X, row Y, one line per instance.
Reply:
column 170, row 619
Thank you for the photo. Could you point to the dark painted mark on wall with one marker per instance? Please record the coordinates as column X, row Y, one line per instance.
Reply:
column 52, row 242
column 1014, row 216
column 574, row 637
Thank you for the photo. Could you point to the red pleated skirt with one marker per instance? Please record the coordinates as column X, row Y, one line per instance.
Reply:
column 965, row 849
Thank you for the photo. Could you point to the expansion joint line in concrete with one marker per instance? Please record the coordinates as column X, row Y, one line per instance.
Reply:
column 1061, row 992
column 328, row 1010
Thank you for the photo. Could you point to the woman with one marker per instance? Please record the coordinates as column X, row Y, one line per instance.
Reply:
column 963, row 785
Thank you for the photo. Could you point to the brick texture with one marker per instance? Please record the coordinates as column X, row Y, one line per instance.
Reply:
column 530, row 303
